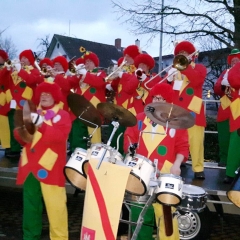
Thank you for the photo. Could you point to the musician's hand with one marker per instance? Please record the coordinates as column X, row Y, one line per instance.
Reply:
column 225, row 82
column 142, row 78
column 109, row 87
column 172, row 74
column 176, row 170
column 119, row 73
column 132, row 148
column 36, row 119
column 17, row 66
column 8, row 66
column 82, row 71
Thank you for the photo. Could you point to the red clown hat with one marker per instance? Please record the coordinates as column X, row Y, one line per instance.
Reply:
column 29, row 55
column 48, row 87
column 63, row 61
column 146, row 59
column 132, row 51
column 4, row 55
column 91, row 56
column 163, row 89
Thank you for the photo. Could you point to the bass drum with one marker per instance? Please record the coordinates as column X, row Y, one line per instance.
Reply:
column 194, row 226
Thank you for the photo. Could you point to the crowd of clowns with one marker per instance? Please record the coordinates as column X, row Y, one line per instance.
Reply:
column 44, row 156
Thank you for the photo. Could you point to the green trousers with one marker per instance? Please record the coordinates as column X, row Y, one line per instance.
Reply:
column 14, row 145
column 233, row 160
column 223, row 140
column 78, row 132
column 145, row 232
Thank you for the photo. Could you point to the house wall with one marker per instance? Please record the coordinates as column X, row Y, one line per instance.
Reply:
column 58, row 51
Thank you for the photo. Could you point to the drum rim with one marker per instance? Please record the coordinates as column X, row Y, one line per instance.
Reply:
column 84, row 150
column 145, row 158
column 102, row 144
column 196, row 194
column 170, row 193
column 170, row 175
column 144, row 185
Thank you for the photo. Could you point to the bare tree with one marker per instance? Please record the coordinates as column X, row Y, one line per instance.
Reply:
column 44, row 44
column 186, row 19
column 7, row 45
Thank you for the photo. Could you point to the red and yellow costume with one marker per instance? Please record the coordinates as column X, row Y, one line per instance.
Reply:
column 92, row 87
column 223, row 118
column 21, row 85
column 41, row 170
column 4, row 105
column 233, row 160
column 164, row 147
column 188, row 94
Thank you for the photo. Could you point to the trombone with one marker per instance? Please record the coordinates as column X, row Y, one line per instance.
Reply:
column 116, row 70
column 180, row 62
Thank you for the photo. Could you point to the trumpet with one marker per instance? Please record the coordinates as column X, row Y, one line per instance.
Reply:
column 116, row 70
column 180, row 62
column 73, row 68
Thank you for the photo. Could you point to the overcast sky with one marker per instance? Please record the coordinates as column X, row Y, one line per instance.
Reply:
column 93, row 20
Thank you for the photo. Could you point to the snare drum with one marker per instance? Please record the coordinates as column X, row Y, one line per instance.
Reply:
column 193, row 198
column 75, row 170
column 139, row 177
column 111, row 154
column 169, row 191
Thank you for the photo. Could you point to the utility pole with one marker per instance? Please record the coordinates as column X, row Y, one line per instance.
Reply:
column 161, row 41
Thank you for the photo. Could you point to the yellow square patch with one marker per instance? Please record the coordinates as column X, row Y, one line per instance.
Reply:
column 48, row 159
column 37, row 135
column 195, row 105
column 166, row 167
column 2, row 98
column 28, row 93
column 8, row 96
column 225, row 102
column 235, row 108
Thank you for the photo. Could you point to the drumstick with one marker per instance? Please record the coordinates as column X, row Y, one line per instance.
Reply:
column 167, row 214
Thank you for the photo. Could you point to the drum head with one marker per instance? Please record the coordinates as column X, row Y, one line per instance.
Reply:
column 168, row 199
column 193, row 190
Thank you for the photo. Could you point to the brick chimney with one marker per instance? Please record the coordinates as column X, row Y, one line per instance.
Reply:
column 118, row 43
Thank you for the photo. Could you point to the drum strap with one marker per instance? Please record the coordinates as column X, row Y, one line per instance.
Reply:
column 167, row 213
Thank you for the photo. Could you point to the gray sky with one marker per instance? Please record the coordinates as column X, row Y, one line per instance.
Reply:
column 93, row 20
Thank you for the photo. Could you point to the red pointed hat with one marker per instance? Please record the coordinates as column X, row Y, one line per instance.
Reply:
column 235, row 53
column 132, row 51
column 48, row 87
column 29, row 55
column 184, row 46
column 91, row 56
column 79, row 61
column 62, row 60
column 4, row 55
column 47, row 61
column 146, row 59
column 163, row 89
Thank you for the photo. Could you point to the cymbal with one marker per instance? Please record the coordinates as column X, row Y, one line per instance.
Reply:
column 20, row 126
column 113, row 112
column 29, row 107
column 81, row 107
column 177, row 117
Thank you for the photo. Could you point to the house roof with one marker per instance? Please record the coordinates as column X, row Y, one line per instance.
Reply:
column 105, row 52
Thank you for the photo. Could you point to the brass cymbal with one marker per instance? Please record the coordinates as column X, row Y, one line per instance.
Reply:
column 20, row 126
column 29, row 107
column 81, row 107
column 113, row 112
column 177, row 117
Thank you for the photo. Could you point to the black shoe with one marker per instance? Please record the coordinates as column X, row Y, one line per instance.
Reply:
column 12, row 154
column 220, row 164
column 228, row 180
column 199, row 175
